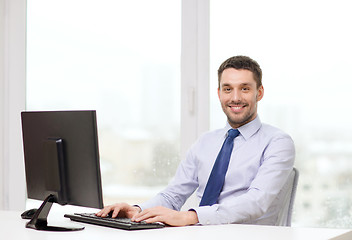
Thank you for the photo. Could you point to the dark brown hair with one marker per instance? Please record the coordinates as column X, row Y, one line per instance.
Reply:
column 242, row 62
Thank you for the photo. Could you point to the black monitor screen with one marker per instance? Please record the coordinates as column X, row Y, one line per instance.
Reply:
column 62, row 157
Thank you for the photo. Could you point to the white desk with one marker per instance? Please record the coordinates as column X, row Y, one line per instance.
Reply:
column 13, row 227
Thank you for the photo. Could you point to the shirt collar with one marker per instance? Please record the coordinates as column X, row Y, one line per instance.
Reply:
column 248, row 129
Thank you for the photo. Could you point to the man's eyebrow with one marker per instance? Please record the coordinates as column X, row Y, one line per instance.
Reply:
column 242, row 84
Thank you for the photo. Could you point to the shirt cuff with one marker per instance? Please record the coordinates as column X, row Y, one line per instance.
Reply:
column 207, row 214
column 140, row 208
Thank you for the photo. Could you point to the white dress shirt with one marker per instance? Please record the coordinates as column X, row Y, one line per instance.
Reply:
column 261, row 161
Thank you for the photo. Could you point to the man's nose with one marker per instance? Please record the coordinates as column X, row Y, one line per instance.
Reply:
column 236, row 95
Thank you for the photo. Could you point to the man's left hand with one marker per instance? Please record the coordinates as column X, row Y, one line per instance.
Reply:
column 167, row 216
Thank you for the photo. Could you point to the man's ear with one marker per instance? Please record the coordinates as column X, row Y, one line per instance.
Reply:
column 260, row 94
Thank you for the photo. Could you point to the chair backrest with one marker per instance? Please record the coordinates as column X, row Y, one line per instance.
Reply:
column 286, row 198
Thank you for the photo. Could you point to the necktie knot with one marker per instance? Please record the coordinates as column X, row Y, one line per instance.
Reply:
column 232, row 133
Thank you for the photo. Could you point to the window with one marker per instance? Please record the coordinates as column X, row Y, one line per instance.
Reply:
column 304, row 50
column 121, row 58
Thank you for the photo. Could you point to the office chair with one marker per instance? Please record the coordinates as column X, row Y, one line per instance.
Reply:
column 286, row 199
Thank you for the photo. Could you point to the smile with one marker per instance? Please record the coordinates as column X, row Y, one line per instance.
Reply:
column 237, row 109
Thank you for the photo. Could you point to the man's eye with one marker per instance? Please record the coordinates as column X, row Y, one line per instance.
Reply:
column 227, row 89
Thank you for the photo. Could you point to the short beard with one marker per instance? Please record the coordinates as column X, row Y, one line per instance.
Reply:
column 240, row 122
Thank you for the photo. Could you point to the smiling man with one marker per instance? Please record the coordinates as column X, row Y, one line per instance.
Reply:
column 237, row 171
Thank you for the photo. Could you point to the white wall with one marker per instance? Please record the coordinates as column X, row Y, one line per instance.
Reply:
column 12, row 102
column 1, row 100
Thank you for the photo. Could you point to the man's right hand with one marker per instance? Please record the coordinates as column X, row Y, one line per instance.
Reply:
column 119, row 210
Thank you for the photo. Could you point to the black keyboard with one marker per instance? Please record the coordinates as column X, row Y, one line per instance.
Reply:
column 122, row 223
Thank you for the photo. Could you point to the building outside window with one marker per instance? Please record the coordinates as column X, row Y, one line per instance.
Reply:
column 304, row 51
column 124, row 62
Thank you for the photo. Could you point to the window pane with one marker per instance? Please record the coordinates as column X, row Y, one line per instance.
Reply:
column 120, row 58
column 304, row 49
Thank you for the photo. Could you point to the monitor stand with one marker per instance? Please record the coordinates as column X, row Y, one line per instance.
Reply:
column 40, row 219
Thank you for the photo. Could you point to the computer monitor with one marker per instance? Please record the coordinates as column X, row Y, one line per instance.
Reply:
column 61, row 161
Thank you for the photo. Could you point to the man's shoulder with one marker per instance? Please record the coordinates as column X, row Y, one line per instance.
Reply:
column 270, row 128
column 273, row 131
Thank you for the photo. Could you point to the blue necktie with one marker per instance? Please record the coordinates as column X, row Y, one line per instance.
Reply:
column 217, row 175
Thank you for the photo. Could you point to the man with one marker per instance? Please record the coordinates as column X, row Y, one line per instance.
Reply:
column 259, row 163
